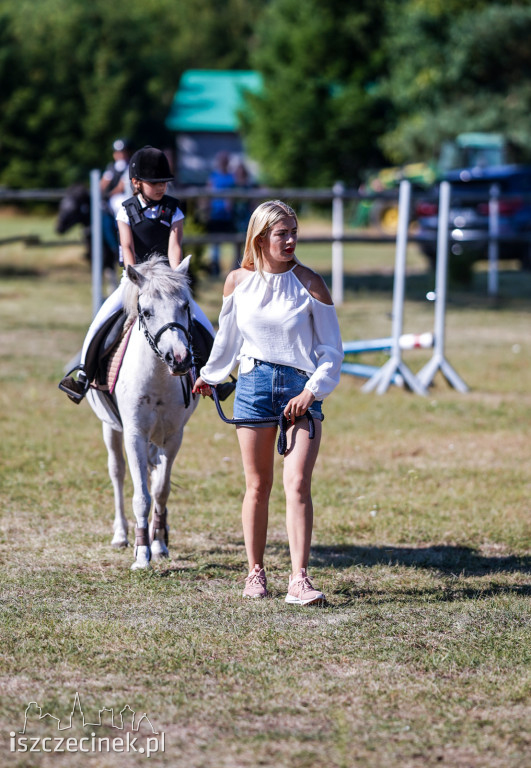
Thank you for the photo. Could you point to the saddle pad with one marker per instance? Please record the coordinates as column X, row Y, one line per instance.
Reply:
column 116, row 357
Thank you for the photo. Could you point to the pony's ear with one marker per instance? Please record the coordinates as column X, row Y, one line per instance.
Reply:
column 184, row 266
column 135, row 277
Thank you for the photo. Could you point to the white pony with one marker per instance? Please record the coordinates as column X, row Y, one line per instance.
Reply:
column 153, row 395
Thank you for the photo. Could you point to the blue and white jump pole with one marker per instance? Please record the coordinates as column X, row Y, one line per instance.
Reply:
column 365, row 371
column 406, row 341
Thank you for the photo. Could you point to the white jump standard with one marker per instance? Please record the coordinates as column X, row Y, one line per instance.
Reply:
column 438, row 360
column 382, row 378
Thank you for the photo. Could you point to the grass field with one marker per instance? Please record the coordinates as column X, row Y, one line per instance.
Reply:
column 421, row 543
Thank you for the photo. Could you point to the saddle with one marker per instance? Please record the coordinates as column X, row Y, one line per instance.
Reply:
column 108, row 344
column 112, row 336
column 107, row 349
column 202, row 342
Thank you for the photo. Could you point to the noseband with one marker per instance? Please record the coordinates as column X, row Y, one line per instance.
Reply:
column 154, row 340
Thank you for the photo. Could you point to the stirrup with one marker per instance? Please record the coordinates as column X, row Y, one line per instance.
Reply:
column 66, row 382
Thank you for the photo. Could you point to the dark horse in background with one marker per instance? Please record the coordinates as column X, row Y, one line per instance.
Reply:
column 74, row 209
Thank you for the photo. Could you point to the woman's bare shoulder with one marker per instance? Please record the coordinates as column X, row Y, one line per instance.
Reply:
column 314, row 284
column 234, row 278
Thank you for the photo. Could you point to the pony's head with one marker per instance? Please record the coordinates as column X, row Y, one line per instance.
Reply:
column 155, row 278
column 160, row 297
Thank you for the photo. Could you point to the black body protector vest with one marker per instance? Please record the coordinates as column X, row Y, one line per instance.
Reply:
column 150, row 235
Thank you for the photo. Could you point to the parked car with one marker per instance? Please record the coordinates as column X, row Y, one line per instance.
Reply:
column 471, row 190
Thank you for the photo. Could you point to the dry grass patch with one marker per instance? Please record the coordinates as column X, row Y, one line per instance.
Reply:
column 422, row 543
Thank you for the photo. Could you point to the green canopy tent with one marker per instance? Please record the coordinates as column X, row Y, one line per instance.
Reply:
column 204, row 118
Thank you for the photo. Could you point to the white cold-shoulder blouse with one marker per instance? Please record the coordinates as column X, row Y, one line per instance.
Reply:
column 273, row 317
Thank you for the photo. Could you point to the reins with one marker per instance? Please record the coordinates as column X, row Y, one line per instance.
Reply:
column 281, row 422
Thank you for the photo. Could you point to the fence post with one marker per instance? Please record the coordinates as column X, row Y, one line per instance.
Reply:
column 494, row 246
column 337, row 243
column 97, row 241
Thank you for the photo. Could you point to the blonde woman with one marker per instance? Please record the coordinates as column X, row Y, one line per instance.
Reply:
column 278, row 321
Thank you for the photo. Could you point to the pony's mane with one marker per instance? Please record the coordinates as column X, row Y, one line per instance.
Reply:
column 162, row 281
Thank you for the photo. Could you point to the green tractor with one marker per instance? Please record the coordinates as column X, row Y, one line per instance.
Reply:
column 378, row 208
column 473, row 150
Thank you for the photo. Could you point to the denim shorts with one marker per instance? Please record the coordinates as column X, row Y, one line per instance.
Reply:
column 266, row 389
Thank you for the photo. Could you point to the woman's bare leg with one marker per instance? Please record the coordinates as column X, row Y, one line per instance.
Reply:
column 257, row 447
column 299, row 462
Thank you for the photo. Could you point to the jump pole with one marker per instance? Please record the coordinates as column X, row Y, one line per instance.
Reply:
column 438, row 360
column 366, row 371
column 97, row 241
column 407, row 341
column 395, row 365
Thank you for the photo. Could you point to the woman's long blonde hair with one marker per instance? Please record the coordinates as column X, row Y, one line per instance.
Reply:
column 262, row 219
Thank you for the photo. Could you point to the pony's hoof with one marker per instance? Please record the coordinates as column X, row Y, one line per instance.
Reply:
column 119, row 543
column 142, row 558
column 159, row 550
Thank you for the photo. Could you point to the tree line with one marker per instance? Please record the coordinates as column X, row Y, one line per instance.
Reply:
column 347, row 86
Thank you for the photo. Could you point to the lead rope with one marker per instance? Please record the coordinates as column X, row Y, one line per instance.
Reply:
column 281, row 422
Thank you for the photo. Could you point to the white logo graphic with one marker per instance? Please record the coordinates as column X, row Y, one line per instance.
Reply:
column 130, row 731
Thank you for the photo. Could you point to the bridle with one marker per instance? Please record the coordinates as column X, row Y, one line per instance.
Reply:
column 186, row 382
column 154, row 340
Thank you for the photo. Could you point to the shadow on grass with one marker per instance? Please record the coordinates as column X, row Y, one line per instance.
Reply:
column 445, row 559
column 8, row 271
column 463, row 561
column 204, row 572
column 445, row 594
column 446, row 562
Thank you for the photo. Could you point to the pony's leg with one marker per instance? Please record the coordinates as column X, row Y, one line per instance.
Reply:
column 137, row 456
column 160, row 490
column 158, row 535
column 116, row 466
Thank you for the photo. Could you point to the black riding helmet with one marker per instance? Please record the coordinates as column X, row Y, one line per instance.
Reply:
column 150, row 164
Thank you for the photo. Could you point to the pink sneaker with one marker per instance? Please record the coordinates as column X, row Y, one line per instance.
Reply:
column 256, row 583
column 301, row 591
